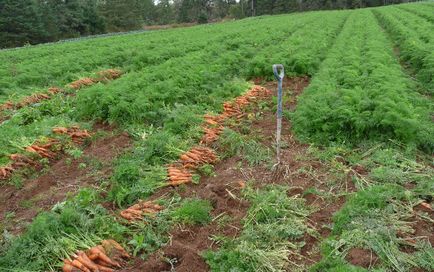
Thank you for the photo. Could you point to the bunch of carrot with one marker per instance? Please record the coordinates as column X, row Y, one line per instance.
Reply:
column 21, row 161
column 179, row 175
column 198, row 156
column 212, row 128
column 54, row 90
column 8, row 105
column 28, row 100
column 233, row 109
column 142, row 208
column 6, row 171
column 18, row 162
column 104, row 75
column 109, row 74
column 214, row 124
column 43, row 150
column 78, row 84
column 77, row 135
column 32, row 99
column 97, row 258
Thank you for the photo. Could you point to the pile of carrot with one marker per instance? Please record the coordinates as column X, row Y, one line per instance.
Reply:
column 8, row 105
column 54, row 90
column 6, row 171
column 198, row 156
column 214, row 124
column 212, row 128
column 77, row 135
column 43, row 149
column 46, row 149
column 18, row 161
column 106, row 257
column 78, row 84
column 141, row 209
column 109, row 74
column 29, row 100
column 179, row 175
column 104, row 75
column 234, row 109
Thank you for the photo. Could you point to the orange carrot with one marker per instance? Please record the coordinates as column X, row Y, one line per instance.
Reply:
column 82, row 257
column 117, row 246
column 70, row 268
column 101, row 255
column 79, row 265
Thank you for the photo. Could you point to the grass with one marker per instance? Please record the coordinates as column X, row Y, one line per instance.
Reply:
column 232, row 143
column 272, row 222
column 380, row 215
column 193, row 212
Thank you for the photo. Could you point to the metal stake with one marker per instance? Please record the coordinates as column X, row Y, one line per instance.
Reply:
column 279, row 73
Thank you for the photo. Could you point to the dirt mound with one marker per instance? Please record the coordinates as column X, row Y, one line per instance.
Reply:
column 362, row 257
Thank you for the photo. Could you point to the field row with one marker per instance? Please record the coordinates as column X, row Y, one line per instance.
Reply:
column 361, row 92
column 415, row 39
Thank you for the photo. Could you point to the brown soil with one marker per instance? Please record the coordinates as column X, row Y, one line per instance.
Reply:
column 362, row 257
column 187, row 242
column 422, row 228
column 18, row 206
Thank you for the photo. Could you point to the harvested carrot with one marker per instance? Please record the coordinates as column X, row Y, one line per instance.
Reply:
column 242, row 184
column 116, row 245
column 426, row 205
column 79, row 265
column 82, row 257
column 70, row 268
column 99, row 250
column 102, row 263
column 102, row 268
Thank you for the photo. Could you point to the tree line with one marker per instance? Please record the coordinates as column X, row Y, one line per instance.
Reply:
column 37, row 21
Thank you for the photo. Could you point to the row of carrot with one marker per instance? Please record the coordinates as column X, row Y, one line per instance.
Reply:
column 103, row 76
column 180, row 172
column 47, row 148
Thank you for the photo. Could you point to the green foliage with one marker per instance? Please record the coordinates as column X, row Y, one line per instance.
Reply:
column 76, row 224
column 360, row 92
column 193, row 212
column 414, row 37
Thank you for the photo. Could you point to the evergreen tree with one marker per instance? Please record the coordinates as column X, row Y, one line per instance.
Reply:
column 20, row 23
column 122, row 15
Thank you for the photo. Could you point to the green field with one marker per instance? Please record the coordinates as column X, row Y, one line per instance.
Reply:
column 369, row 104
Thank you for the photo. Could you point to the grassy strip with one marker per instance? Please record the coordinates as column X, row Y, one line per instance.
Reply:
column 264, row 243
column 380, row 216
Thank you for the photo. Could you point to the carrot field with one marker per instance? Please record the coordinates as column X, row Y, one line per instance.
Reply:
column 155, row 151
